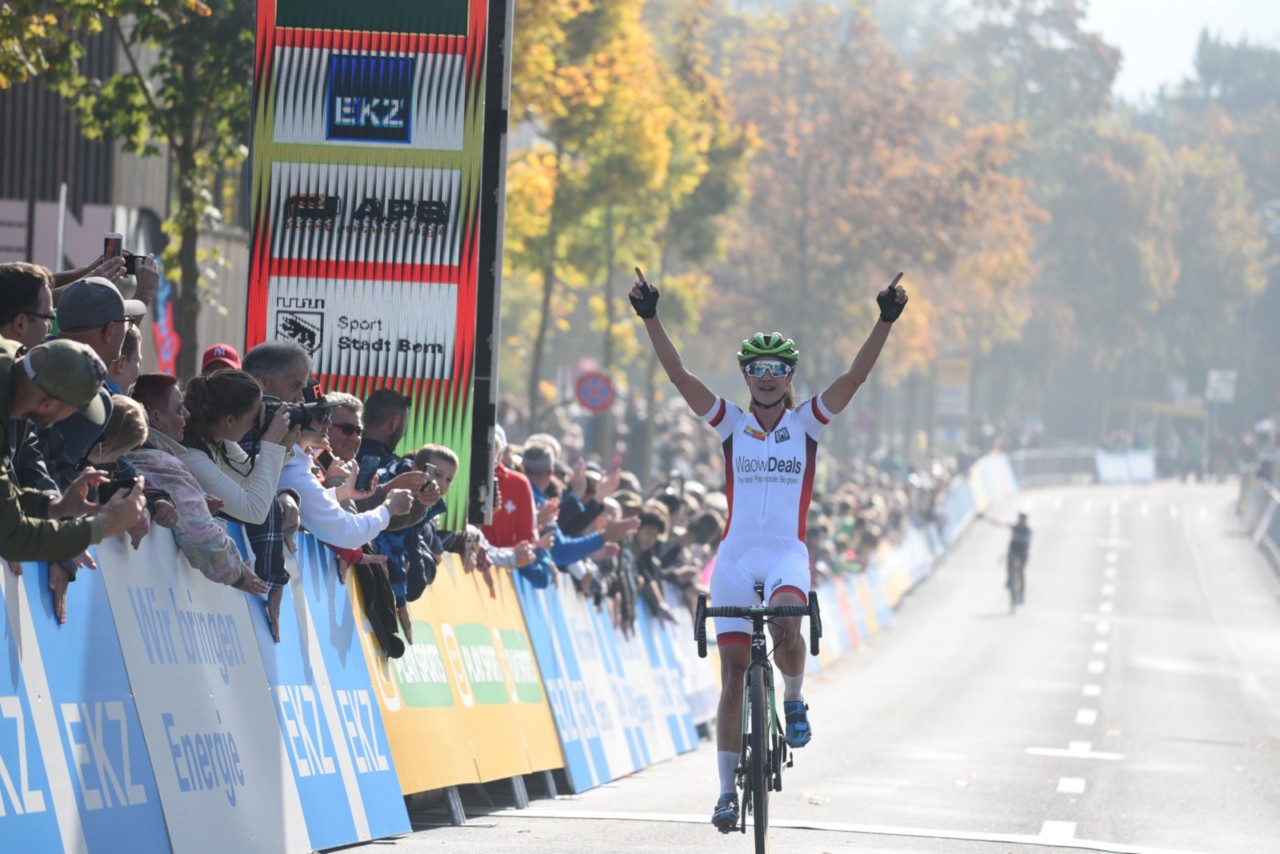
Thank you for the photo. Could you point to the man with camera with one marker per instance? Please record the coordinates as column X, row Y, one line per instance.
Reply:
column 49, row 384
column 282, row 369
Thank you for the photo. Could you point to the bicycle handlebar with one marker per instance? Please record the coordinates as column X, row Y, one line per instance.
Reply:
column 768, row 610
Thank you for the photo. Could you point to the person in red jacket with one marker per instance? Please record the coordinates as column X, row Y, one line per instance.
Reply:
column 514, row 515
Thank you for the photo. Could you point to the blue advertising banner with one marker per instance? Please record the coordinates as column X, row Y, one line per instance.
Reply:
column 27, row 803
column 330, row 646
column 101, row 736
column 203, row 701
column 664, row 668
column 586, row 764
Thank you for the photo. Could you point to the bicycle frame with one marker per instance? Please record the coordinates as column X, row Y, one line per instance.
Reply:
column 764, row 750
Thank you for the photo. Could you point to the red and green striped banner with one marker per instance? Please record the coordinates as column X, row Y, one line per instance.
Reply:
column 368, row 142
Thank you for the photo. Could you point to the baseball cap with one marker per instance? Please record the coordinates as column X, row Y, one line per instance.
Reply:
column 220, row 353
column 537, row 459
column 94, row 302
column 73, row 374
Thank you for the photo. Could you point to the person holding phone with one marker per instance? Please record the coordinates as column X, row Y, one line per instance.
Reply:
column 770, row 456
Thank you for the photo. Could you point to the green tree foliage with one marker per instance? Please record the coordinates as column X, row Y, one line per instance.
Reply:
column 183, row 91
column 38, row 37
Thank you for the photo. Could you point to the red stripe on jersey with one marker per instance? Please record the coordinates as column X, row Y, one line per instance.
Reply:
column 817, row 411
column 806, row 490
column 728, row 480
column 719, row 416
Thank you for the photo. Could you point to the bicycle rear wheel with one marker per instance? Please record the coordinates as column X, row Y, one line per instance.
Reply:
column 758, row 746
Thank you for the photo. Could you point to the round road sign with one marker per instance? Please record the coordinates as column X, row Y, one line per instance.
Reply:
column 595, row 391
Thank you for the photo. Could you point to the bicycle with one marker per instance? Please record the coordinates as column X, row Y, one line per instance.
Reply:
column 764, row 747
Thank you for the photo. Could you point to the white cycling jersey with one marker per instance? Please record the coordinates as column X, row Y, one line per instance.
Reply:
column 769, row 482
column 769, row 473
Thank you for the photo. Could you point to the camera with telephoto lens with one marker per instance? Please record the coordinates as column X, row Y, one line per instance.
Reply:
column 298, row 416
column 313, row 409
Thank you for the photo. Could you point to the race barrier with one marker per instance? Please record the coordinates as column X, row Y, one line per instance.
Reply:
column 1125, row 466
column 1260, row 513
column 163, row 717
column 465, row 703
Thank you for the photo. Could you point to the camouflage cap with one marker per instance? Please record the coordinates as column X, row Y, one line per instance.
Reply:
column 72, row 373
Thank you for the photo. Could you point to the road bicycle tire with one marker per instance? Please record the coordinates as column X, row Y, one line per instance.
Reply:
column 700, row 626
column 758, row 746
column 815, row 622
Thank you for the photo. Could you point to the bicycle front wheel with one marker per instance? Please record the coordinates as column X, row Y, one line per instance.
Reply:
column 758, row 743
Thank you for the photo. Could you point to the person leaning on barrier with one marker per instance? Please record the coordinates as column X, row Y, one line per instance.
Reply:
column 337, row 471
column 321, row 510
column 126, row 430
column 282, row 369
column 50, row 383
column 515, row 521
column 222, row 409
column 205, row 543
column 386, row 418
column 91, row 312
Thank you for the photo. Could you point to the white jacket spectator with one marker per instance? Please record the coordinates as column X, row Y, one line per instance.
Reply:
column 223, row 408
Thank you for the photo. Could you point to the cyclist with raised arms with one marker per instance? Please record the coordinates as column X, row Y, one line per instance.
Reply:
column 770, row 452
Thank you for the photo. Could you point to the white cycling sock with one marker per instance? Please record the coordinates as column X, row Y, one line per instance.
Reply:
column 728, row 761
column 791, row 686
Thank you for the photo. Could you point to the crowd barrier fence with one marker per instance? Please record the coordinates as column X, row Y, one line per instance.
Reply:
column 1260, row 513
column 163, row 717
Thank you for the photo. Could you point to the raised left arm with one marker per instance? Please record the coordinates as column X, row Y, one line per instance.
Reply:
column 891, row 300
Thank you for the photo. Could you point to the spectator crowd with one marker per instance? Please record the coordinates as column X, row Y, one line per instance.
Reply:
column 99, row 447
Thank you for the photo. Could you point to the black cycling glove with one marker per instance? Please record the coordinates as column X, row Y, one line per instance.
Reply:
column 890, row 308
column 647, row 304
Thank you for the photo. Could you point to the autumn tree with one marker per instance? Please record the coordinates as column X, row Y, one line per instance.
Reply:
column 865, row 168
column 618, row 146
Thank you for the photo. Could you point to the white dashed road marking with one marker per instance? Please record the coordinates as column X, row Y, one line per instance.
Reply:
column 1092, row 691
column 1058, row 830
column 1071, row 785
column 1087, row 717
column 1076, row 750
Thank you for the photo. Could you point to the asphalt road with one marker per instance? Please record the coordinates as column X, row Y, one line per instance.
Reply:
column 1133, row 705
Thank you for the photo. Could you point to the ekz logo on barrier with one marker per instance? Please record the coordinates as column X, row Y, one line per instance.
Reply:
column 368, row 98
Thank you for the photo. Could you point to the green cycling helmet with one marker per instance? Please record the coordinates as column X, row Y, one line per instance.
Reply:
column 772, row 345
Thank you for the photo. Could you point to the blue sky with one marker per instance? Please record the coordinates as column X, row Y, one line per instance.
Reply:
column 1158, row 37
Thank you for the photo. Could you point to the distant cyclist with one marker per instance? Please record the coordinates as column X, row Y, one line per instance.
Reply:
column 769, row 451
column 1016, row 559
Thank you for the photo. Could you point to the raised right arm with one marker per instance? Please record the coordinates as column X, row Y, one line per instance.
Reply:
column 644, row 298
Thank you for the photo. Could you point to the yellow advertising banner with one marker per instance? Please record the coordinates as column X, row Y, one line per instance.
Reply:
column 465, row 703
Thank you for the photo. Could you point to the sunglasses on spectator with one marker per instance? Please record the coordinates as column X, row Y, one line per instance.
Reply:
column 48, row 317
column 350, row 429
column 775, row 369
